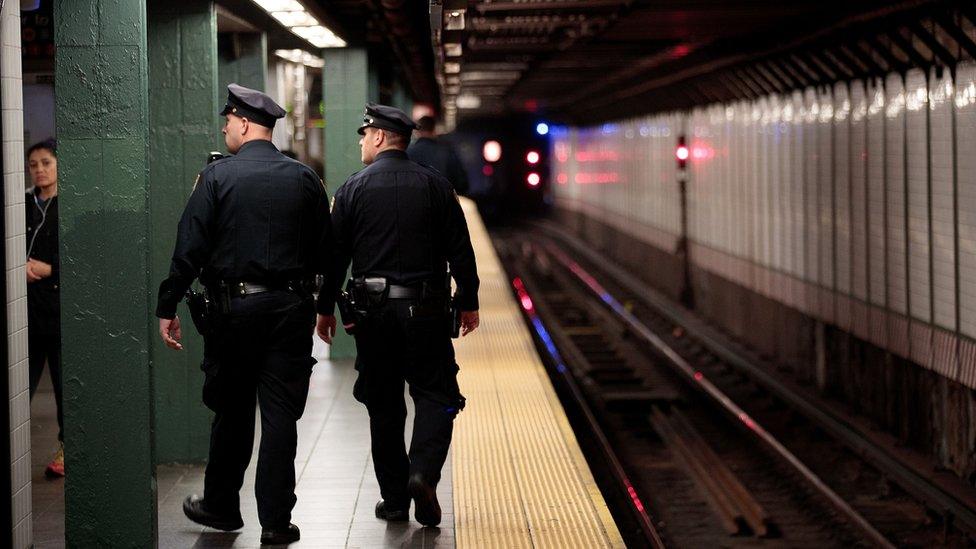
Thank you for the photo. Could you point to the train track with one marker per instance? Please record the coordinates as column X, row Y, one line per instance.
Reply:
column 707, row 456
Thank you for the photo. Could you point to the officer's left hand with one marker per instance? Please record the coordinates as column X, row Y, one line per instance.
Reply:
column 326, row 327
column 169, row 330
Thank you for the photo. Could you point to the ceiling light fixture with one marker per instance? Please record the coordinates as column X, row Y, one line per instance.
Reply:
column 293, row 15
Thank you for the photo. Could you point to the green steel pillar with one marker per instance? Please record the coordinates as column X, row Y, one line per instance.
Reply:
column 243, row 59
column 102, row 114
column 183, row 107
column 346, row 82
column 402, row 99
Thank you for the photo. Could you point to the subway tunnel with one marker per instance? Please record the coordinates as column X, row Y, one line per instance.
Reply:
column 726, row 249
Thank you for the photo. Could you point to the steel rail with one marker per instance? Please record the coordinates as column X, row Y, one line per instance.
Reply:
column 916, row 485
column 680, row 365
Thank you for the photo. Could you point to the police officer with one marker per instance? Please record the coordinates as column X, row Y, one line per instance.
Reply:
column 401, row 225
column 438, row 154
column 255, row 228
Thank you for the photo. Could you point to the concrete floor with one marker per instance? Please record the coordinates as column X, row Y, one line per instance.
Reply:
column 336, row 485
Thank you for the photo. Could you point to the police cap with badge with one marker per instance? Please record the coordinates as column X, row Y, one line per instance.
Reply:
column 253, row 105
column 387, row 118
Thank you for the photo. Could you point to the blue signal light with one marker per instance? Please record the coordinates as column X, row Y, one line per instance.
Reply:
column 542, row 128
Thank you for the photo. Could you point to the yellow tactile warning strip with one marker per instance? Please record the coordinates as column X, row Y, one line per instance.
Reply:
column 520, row 479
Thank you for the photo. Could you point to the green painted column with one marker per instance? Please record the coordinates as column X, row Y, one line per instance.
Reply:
column 243, row 59
column 401, row 98
column 102, row 114
column 183, row 107
column 346, row 82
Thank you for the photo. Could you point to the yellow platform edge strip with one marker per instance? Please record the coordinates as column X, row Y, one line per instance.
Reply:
column 520, row 478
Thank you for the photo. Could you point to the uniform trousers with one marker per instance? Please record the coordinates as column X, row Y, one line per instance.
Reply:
column 394, row 347
column 261, row 350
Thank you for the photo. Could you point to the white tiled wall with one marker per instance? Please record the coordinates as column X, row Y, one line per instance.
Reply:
column 842, row 187
column 917, row 159
column 943, row 205
column 895, row 194
column 965, row 100
column 876, row 193
column 11, row 110
column 825, row 188
column 863, row 188
column 858, row 171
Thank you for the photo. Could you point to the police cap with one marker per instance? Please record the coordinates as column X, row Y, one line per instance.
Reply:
column 253, row 105
column 385, row 117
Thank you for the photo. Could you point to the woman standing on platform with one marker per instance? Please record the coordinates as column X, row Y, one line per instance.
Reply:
column 43, row 300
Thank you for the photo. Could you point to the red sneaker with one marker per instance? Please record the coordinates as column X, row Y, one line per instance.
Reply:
column 55, row 469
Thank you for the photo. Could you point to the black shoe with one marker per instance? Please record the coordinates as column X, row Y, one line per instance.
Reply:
column 196, row 510
column 280, row 536
column 386, row 511
column 427, row 510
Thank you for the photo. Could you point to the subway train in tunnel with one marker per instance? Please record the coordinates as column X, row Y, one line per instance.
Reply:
column 508, row 163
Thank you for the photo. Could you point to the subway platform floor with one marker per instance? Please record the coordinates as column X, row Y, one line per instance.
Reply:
column 336, row 490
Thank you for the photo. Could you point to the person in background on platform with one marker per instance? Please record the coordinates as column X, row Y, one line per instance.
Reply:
column 256, row 230
column 43, row 299
column 401, row 225
column 438, row 154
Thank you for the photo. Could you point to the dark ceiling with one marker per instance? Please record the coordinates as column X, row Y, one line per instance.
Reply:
column 591, row 60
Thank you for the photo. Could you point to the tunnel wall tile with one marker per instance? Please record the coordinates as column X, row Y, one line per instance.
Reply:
column 18, row 401
column 851, row 203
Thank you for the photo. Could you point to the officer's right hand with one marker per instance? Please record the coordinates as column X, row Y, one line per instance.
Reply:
column 325, row 326
column 469, row 322
column 169, row 330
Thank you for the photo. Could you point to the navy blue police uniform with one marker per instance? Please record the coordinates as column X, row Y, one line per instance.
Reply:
column 256, row 228
column 440, row 155
column 401, row 223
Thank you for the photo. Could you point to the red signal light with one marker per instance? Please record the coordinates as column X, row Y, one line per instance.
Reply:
column 487, row 170
column 682, row 153
column 532, row 157
column 533, row 179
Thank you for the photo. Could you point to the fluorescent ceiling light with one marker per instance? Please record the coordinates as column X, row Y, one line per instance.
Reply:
column 295, row 18
column 319, row 36
column 280, row 5
column 490, row 75
column 301, row 56
column 468, row 102
column 293, row 15
column 452, row 50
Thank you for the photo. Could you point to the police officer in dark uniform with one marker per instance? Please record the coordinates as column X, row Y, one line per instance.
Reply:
column 402, row 227
column 255, row 229
column 436, row 153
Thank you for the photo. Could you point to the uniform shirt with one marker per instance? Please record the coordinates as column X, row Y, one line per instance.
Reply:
column 258, row 217
column 440, row 156
column 399, row 220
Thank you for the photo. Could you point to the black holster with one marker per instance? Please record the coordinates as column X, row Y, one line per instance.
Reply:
column 204, row 311
column 352, row 307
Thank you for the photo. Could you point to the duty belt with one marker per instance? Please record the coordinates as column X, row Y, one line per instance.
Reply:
column 240, row 289
column 403, row 292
